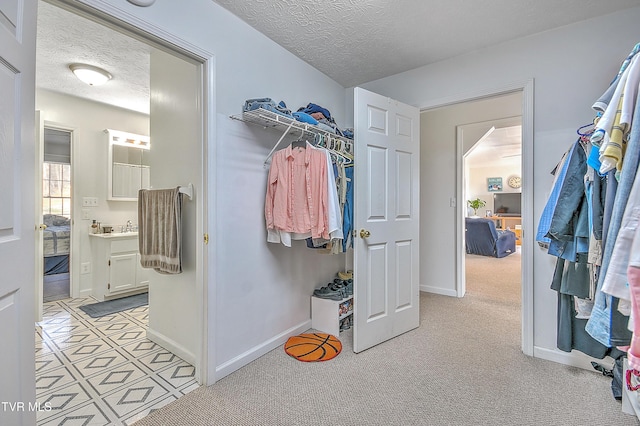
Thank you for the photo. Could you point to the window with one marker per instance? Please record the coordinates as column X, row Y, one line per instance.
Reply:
column 56, row 189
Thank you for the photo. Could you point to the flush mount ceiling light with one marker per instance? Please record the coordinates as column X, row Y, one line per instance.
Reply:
column 142, row 3
column 89, row 74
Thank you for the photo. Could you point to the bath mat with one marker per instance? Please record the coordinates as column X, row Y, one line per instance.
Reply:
column 313, row 347
column 100, row 309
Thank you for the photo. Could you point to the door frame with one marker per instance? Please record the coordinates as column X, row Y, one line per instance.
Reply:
column 118, row 17
column 527, row 247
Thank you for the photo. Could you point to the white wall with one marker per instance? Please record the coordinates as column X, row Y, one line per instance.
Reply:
column 263, row 290
column 478, row 188
column 571, row 66
column 176, row 159
column 89, row 157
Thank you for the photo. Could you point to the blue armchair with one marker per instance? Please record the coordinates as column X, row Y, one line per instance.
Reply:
column 484, row 239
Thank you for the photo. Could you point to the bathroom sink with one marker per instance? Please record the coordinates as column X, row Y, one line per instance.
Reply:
column 117, row 235
column 124, row 234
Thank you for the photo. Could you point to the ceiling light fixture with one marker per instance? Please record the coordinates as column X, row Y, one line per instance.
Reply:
column 89, row 74
column 142, row 3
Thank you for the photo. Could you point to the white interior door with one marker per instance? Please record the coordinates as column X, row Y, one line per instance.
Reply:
column 39, row 249
column 386, row 217
column 17, row 195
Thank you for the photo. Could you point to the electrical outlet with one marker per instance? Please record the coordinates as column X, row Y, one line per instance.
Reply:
column 85, row 268
column 89, row 202
column 86, row 214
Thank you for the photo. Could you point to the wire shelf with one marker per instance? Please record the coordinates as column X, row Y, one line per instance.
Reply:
column 269, row 119
column 289, row 126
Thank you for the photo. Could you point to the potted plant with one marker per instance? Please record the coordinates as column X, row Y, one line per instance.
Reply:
column 476, row 204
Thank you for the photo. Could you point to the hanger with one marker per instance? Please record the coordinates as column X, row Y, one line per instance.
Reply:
column 581, row 130
column 301, row 142
column 339, row 158
column 585, row 132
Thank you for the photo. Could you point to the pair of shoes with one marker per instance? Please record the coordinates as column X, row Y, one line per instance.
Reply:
column 345, row 275
column 327, row 293
column 346, row 323
column 342, row 286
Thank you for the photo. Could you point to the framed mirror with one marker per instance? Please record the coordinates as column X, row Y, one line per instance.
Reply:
column 128, row 165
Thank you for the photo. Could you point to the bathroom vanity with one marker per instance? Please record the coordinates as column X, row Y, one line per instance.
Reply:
column 117, row 271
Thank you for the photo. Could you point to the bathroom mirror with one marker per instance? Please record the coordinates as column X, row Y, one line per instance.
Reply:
column 128, row 165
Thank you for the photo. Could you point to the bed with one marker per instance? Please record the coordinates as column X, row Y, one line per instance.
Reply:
column 56, row 244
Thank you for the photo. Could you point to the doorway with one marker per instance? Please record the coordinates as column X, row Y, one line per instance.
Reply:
column 492, row 271
column 491, row 189
column 57, row 214
column 98, row 360
column 442, row 125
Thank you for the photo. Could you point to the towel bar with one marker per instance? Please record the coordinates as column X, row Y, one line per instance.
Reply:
column 187, row 190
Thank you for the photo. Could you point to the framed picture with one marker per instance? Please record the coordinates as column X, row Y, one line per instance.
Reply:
column 494, row 184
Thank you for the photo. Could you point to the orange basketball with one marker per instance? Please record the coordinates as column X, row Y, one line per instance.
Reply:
column 313, row 347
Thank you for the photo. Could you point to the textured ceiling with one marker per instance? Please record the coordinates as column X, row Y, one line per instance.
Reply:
column 352, row 41
column 500, row 147
column 64, row 38
column 356, row 41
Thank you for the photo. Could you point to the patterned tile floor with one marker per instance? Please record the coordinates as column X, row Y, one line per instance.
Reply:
column 102, row 371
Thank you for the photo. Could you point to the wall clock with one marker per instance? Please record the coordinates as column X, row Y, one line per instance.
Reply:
column 514, row 182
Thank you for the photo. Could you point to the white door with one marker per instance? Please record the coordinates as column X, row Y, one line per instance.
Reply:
column 386, row 219
column 39, row 249
column 17, row 195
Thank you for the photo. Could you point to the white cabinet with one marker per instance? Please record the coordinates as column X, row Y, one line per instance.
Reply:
column 117, row 271
column 328, row 315
column 128, row 168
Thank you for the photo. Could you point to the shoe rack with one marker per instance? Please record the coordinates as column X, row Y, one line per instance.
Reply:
column 331, row 316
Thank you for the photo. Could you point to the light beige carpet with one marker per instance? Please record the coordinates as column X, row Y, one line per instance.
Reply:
column 462, row 366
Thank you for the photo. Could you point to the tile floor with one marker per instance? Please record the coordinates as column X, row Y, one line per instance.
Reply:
column 102, row 371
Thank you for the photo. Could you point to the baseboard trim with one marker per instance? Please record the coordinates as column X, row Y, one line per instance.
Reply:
column 573, row 359
column 438, row 290
column 171, row 345
column 85, row 293
column 256, row 352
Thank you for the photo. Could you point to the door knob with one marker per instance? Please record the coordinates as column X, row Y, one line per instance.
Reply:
column 364, row 233
column 42, row 227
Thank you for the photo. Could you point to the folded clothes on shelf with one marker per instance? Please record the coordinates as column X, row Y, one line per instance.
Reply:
column 312, row 108
column 304, row 118
column 313, row 114
column 269, row 105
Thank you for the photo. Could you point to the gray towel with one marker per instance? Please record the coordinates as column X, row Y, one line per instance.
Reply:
column 159, row 231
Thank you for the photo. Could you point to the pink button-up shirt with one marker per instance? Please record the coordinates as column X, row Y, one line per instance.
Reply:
column 296, row 199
